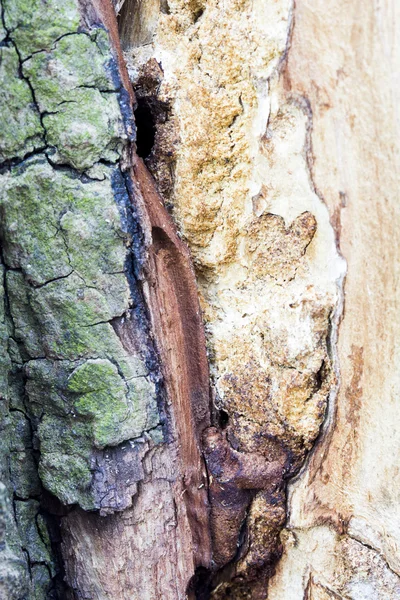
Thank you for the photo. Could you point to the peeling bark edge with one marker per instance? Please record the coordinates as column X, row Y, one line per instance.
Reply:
column 170, row 291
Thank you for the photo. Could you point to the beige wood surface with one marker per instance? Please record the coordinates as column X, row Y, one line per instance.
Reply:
column 343, row 532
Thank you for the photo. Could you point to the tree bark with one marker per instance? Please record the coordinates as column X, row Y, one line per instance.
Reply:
column 198, row 315
column 102, row 304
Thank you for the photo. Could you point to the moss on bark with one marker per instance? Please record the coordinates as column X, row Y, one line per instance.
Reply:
column 75, row 393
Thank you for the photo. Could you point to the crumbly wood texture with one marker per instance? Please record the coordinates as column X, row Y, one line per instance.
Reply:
column 182, row 415
column 231, row 156
column 278, row 155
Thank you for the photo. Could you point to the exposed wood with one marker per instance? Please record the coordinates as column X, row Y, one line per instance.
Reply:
column 175, row 312
column 344, row 509
column 230, row 156
column 170, row 290
column 152, row 449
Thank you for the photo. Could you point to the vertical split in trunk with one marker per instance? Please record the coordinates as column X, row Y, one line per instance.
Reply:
column 171, row 295
column 231, row 157
column 105, row 314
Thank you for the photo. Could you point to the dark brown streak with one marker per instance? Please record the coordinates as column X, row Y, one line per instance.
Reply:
column 170, row 292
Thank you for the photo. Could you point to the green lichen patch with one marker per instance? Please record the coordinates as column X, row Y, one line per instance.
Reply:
column 79, row 409
column 46, row 383
column 14, row 583
column 14, row 351
column 37, row 24
column 83, row 124
column 30, row 223
column 54, row 224
column 97, row 250
column 65, row 250
column 21, row 461
column 103, row 396
column 62, row 320
column 64, row 468
column 73, row 319
column 23, row 474
column 86, row 129
column 26, row 329
column 68, row 477
column 35, row 542
column 75, row 62
column 21, row 130
column 20, row 434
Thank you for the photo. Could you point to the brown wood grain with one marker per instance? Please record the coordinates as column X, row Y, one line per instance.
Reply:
column 153, row 549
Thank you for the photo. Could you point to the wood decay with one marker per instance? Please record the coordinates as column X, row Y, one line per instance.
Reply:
column 170, row 479
column 216, row 483
column 313, row 531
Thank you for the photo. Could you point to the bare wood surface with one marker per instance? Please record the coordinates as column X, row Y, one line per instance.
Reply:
column 153, row 549
column 344, row 522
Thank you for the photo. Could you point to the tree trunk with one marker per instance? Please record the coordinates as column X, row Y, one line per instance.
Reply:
column 198, row 318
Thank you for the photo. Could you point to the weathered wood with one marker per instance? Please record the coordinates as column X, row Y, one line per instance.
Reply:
column 344, row 522
column 169, row 287
column 230, row 156
column 267, row 129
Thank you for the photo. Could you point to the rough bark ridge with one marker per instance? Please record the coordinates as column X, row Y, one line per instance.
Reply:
column 94, row 341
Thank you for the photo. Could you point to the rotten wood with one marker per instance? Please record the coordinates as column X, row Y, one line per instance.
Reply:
column 169, row 287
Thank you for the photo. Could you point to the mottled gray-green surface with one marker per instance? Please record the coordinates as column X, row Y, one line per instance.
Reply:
column 75, row 400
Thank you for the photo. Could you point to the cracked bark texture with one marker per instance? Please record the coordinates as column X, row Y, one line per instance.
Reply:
column 259, row 123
